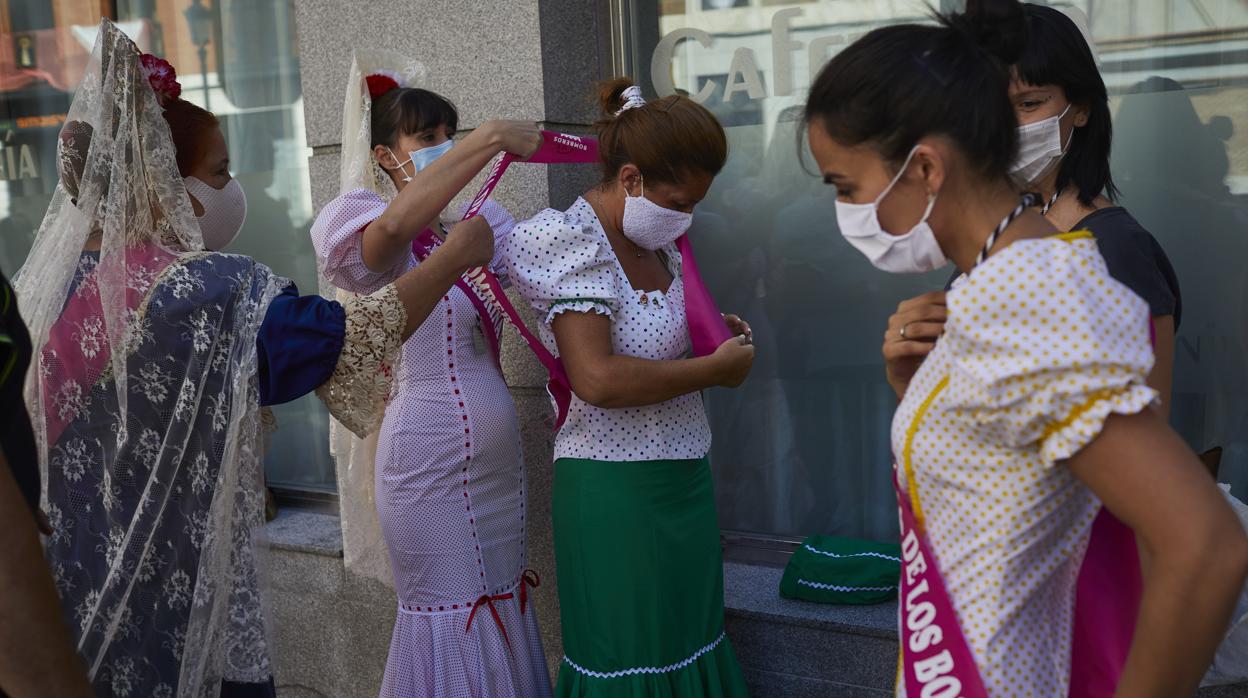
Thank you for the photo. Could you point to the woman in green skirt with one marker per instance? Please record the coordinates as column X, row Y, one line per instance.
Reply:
column 636, row 536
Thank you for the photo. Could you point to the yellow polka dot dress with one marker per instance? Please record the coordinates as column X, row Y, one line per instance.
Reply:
column 1040, row 347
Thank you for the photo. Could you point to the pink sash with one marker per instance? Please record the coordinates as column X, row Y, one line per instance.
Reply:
column 1107, row 602
column 493, row 306
column 935, row 659
column 707, row 328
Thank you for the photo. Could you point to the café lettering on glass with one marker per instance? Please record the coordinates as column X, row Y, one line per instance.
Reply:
column 744, row 74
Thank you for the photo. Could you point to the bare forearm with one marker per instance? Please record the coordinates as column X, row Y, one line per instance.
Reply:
column 387, row 240
column 36, row 655
column 1177, row 631
column 627, row 381
column 1144, row 473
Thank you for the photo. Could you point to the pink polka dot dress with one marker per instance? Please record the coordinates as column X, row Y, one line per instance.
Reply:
column 450, row 489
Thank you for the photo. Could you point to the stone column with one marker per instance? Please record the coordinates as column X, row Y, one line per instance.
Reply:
column 515, row 59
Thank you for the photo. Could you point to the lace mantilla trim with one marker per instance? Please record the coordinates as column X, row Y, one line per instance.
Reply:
column 357, row 392
column 646, row 669
column 837, row 587
column 882, row 556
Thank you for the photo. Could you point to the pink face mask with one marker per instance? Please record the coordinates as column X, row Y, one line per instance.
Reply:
column 225, row 210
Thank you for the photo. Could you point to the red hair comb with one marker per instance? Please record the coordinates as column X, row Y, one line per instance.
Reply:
column 380, row 83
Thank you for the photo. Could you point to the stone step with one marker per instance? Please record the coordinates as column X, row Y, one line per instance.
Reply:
column 797, row 649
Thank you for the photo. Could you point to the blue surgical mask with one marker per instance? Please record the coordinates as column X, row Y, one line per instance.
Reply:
column 422, row 158
column 425, row 156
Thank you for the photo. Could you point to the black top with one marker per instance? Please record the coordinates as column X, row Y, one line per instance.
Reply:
column 16, row 438
column 1134, row 258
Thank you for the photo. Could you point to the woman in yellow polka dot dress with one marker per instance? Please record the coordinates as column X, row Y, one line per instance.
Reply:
column 1030, row 414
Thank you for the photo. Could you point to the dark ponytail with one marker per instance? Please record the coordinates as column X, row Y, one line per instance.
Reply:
column 998, row 27
column 899, row 84
column 667, row 139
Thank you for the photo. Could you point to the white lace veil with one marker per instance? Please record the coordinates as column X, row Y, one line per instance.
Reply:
column 144, row 402
column 359, row 169
column 364, row 549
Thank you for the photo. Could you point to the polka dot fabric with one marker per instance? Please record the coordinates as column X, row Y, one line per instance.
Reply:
column 1040, row 347
column 450, row 490
column 563, row 262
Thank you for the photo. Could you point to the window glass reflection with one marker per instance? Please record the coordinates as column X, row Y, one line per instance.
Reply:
column 236, row 57
column 803, row 447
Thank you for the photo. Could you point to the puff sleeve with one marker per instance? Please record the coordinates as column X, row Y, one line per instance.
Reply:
column 1046, row 346
column 336, row 235
column 559, row 266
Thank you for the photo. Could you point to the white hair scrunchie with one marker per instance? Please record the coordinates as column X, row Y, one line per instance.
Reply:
column 632, row 99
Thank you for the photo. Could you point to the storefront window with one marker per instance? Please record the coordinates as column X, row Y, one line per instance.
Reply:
column 237, row 58
column 803, row 447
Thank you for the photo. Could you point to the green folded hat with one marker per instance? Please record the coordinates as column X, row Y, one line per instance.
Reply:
column 828, row 569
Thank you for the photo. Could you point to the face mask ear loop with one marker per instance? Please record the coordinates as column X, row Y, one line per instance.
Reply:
column 931, row 204
column 399, row 167
column 1065, row 146
column 896, row 178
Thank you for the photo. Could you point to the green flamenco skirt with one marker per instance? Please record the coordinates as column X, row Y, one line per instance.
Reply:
column 641, row 586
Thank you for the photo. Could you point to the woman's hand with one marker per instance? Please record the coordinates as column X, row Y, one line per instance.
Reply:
column 520, row 138
column 470, row 243
column 911, row 335
column 733, row 360
column 739, row 327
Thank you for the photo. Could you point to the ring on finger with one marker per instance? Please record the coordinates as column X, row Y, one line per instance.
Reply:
column 902, row 331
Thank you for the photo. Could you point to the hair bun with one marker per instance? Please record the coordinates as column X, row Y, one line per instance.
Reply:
column 996, row 26
column 611, row 95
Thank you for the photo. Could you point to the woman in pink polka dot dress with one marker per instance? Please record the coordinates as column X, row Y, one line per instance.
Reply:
column 449, row 474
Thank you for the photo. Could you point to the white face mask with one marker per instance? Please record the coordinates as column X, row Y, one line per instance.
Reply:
column 1039, row 149
column 225, row 210
column 649, row 225
column 422, row 158
column 913, row 253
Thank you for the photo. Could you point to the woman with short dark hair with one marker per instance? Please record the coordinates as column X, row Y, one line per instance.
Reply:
column 1065, row 132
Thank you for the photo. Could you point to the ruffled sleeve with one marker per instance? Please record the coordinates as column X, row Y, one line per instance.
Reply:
column 360, row 386
column 561, row 265
column 1045, row 346
column 336, row 234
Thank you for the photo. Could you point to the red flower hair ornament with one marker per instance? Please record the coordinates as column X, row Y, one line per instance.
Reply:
column 162, row 77
column 381, row 82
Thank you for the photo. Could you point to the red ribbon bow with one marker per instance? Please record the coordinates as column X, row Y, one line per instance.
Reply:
column 487, row 600
column 528, row 579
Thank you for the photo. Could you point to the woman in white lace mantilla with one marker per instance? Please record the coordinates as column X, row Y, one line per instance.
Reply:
column 448, row 472
column 154, row 358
